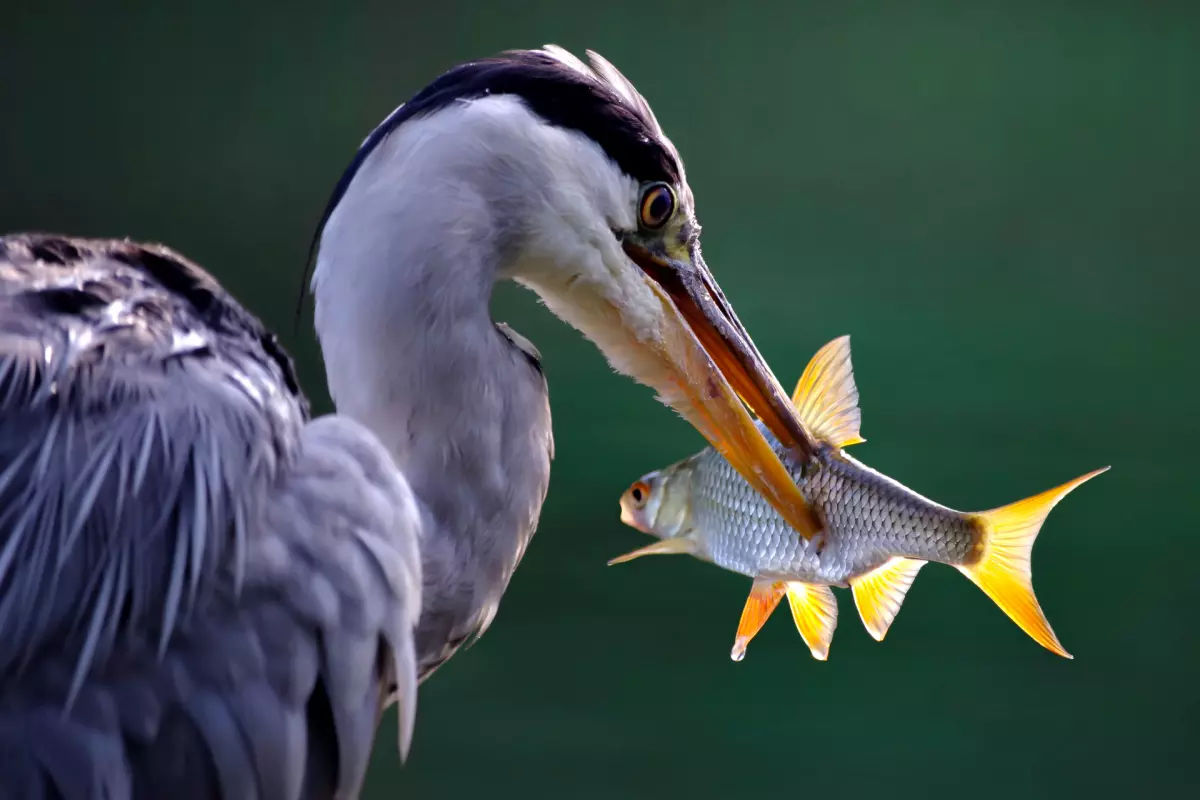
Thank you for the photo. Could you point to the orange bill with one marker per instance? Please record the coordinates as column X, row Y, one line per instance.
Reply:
column 694, row 377
column 700, row 301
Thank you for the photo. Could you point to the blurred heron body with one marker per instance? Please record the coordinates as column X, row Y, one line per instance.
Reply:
column 211, row 585
column 206, row 593
column 877, row 532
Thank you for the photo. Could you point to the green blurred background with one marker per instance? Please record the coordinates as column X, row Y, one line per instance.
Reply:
column 999, row 201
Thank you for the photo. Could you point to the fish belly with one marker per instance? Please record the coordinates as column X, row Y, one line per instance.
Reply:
column 740, row 530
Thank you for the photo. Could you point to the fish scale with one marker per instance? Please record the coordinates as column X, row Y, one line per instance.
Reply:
column 875, row 534
column 869, row 519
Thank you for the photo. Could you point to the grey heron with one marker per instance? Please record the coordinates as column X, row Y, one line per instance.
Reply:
column 204, row 592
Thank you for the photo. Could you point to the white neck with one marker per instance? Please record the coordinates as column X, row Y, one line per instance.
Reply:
column 440, row 210
column 443, row 208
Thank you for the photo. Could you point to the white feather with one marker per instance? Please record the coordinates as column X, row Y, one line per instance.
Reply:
column 480, row 190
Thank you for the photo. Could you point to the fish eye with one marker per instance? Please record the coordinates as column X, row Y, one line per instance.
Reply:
column 639, row 493
column 657, row 206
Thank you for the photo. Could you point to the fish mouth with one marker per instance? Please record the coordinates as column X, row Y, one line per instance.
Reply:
column 713, row 368
column 629, row 517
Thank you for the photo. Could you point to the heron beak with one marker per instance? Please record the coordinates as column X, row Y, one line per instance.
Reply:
column 714, row 364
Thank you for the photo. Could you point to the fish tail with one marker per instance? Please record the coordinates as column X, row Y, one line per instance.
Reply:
column 1003, row 570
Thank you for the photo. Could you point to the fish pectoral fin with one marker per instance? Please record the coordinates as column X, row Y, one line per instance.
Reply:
column 764, row 597
column 878, row 594
column 826, row 397
column 814, row 610
column 663, row 547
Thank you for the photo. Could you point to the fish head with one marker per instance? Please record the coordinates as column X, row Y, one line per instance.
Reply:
column 658, row 503
column 640, row 502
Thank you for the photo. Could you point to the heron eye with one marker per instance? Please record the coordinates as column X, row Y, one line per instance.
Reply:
column 658, row 204
column 640, row 493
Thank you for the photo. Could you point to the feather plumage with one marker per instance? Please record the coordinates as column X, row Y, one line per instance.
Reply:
column 200, row 589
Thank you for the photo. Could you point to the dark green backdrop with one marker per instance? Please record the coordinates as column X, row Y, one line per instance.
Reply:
column 998, row 201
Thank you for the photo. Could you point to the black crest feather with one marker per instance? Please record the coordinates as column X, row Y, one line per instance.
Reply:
column 595, row 100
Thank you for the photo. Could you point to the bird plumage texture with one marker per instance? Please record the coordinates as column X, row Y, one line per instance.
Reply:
column 201, row 590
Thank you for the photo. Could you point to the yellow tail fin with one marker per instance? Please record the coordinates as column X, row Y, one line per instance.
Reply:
column 1003, row 571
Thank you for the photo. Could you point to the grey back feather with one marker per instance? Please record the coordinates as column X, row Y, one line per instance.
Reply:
column 201, row 593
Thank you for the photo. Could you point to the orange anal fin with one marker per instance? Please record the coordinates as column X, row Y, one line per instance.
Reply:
column 764, row 597
column 878, row 594
column 814, row 610
column 663, row 547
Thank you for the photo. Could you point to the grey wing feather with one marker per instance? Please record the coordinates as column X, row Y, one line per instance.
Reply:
column 202, row 593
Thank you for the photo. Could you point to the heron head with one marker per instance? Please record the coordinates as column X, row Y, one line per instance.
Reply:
column 558, row 172
column 618, row 256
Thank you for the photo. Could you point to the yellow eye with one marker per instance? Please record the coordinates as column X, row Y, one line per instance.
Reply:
column 658, row 204
column 639, row 493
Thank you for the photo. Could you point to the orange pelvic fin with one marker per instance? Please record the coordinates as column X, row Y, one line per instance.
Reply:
column 814, row 610
column 880, row 593
column 1004, row 571
column 764, row 597
column 826, row 397
column 663, row 547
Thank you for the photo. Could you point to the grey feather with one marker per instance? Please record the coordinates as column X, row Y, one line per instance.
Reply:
column 189, row 567
column 202, row 592
column 229, row 750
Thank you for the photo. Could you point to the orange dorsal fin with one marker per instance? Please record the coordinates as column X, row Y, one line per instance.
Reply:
column 1003, row 570
column 826, row 397
column 878, row 594
column 814, row 610
column 764, row 597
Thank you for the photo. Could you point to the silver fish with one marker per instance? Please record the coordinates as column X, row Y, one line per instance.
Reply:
column 875, row 535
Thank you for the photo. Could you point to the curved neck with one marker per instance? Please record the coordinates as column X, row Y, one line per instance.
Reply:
column 411, row 351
